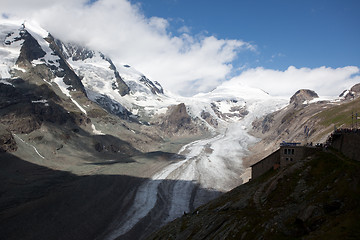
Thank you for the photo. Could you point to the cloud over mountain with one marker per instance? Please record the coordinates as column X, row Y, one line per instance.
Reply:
column 325, row 81
column 182, row 62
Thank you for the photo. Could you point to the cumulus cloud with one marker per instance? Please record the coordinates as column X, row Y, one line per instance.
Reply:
column 326, row 81
column 181, row 62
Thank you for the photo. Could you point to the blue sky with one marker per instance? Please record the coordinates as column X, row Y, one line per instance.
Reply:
column 194, row 46
column 286, row 32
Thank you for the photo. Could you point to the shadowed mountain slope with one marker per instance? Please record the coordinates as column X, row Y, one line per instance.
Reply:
column 40, row 203
column 317, row 198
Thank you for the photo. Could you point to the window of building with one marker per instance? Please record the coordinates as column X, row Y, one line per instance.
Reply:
column 289, row 151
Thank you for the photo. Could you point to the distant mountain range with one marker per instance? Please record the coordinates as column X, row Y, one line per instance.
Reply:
column 70, row 116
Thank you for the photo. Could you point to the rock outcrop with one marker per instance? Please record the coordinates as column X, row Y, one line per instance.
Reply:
column 303, row 95
column 356, row 88
column 176, row 119
column 209, row 119
column 65, row 71
column 7, row 141
column 30, row 49
column 155, row 87
column 354, row 92
column 177, row 122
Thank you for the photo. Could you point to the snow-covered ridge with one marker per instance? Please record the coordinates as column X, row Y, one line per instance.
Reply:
column 105, row 82
column 40, row 34
column 10, row 45
column 12, row 37
column 102, row 79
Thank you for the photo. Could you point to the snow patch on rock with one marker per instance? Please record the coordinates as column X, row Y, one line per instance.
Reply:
column 64, row 88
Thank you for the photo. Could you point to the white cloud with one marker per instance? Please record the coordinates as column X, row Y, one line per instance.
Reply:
column 325, row 81
column 185, row 64
column 184, row 29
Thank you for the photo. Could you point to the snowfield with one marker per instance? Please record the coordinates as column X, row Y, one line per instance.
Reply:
column 9, row 47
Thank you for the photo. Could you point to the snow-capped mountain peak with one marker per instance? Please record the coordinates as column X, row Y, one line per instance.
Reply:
column 118, row 88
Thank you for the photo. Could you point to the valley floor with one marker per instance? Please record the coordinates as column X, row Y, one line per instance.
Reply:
column 211, row 167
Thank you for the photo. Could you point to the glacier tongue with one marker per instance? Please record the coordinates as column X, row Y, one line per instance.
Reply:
column 210, row 166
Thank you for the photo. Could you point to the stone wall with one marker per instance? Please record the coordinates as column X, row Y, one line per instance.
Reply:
column 265, row 165
column 282, row 157
column 348, row 144
column 289, row 154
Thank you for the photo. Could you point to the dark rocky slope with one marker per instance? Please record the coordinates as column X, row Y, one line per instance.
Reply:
column 317, row 198
column 40, row 203
column 7, row 141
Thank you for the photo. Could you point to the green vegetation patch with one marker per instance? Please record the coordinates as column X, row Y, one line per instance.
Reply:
column 339, row 115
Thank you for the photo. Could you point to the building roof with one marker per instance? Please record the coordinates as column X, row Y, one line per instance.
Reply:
column 289, row 143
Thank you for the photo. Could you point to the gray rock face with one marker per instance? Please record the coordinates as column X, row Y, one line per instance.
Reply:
column 236, row 111
column 30, row 49
column 209, row 118
column 176, row 118
column 122, row 87
column 178, row 122
column 74, row 51
column 65, row 71
column 7, row 141
column 352, row 93
column 113, row 107
column 356, row 88
column 303, row 95
column 154, row 89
